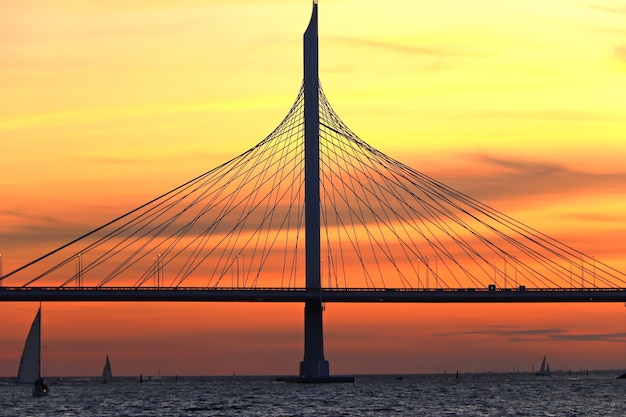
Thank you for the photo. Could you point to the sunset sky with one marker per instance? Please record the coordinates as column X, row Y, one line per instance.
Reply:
column 107, row 104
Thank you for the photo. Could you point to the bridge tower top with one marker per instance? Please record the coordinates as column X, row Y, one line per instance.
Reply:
column 311, row 153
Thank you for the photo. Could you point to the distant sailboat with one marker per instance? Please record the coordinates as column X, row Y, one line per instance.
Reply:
column 30, row 363
column 106, row 372
column 544, row 370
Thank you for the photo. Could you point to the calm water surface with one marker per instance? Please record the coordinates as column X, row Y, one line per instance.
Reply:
column 596, row 394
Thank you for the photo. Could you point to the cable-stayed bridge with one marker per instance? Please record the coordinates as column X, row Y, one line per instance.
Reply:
column 314, row 214
column 388, row 233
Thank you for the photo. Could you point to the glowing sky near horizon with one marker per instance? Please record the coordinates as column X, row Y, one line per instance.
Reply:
column 106, row 104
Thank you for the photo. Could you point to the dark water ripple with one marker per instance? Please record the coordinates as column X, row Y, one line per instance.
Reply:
column 516, row 395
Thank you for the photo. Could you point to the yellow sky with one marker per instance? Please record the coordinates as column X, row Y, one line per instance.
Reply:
column 106, row 104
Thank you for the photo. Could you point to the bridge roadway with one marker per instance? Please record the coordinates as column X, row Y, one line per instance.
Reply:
column 348, row 295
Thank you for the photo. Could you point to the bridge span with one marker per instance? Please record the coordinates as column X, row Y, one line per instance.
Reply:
column 337, row 295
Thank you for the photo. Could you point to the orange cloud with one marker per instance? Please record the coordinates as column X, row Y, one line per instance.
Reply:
column 620, row 53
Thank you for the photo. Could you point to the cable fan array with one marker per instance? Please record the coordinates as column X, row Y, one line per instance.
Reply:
column 383, row 225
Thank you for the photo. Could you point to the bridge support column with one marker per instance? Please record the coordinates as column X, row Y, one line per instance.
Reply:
column 314, row 365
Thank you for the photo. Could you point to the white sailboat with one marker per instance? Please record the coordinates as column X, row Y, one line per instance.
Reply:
column 106, row 372
column 544, row 370
column 30, row 363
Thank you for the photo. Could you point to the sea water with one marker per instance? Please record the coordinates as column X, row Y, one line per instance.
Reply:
column 515, row 394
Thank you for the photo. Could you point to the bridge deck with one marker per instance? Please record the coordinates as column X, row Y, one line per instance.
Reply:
column 348, row 295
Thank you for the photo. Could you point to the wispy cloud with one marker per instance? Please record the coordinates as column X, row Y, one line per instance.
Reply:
column 608, row 9
column 595, row 217
column 508, row 177
column 503, row 332
column 566, row 115
column 517, row 334
column 45, row 231
column 401, row 48
column 116, row 160
column 18, row 215
column 591, row 337
column 620, row 53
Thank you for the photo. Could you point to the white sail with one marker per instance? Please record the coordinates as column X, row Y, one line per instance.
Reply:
column 30, row 364
column 106, row 372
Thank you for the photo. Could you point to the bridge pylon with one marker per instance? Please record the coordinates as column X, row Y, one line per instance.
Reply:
column 314, row 367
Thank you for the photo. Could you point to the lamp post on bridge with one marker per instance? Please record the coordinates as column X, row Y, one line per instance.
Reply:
column 418, row 273
column 436, row 271
column 158, row 270
column 427, row 271
column 79, row 270
column 504, row 277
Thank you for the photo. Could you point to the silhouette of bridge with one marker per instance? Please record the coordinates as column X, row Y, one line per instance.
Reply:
column 314, row 214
